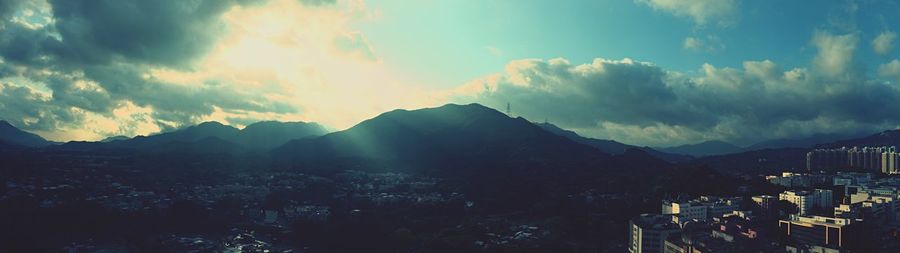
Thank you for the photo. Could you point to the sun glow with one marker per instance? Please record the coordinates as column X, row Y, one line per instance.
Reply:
column 308, row 57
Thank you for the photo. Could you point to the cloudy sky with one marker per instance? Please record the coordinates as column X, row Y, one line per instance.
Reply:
column 647, row 72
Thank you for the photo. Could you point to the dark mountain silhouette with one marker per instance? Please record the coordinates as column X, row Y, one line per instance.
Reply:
column 115, row 138
column 774, row 160
column 886, row 138
column 12, row 136
column 805, row 142
column 209, row 137
column 764, row 161
column 611, row 146
column 183, row 140
column 270, row 134
column 706, row 148
column 451, row 137
column 6, row 146
column 202, row 131
column 509, row 161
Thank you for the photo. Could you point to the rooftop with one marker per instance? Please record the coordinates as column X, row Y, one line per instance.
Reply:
column 654, row 221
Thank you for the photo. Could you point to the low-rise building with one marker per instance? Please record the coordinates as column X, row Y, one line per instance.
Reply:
column 796, row 180
column 826, row 233
column 808, row 201
column 702, row 208
column 649, row 232
column 766, row 204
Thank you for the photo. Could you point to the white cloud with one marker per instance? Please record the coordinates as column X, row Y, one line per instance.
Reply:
column 890, row 69
column 710, row 43
column 692, row 43
column 702, row 12
column 835, row 52
column 884, row 43
column 641, row 103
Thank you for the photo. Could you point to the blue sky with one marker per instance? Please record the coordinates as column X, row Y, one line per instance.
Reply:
column 646, row 72
column 459, row 33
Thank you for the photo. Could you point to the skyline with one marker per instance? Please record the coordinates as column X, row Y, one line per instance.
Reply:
column 674, row 72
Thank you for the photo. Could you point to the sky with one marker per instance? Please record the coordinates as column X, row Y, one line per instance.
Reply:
column 643, row 72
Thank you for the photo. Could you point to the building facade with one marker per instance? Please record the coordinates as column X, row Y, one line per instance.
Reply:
column 826, row 233
column 807, row 201
column 703, row 208
column 866, row 159
column 649, row 232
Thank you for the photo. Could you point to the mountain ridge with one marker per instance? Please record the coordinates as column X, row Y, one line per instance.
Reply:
column 13, row 136
column 612, row 146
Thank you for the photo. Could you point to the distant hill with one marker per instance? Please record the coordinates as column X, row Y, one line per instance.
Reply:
column 12, row 136
column 209, row 137
column 706, row 148
column 805, row 142
column 610, row 146
column 765, row 161
column 772, row 160
column 886, row 138
column 270, row 134
column 115, row 138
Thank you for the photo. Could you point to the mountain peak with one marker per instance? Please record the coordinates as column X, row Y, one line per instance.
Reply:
column 451, row 136
column 211, row 124
column 6, row 125
column 13, row 135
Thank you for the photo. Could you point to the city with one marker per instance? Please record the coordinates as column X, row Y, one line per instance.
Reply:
column 844, row 202
column 457, row 126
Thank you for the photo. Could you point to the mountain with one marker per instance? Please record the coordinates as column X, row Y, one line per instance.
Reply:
column 805, row 142
column 115, row 138
column 706, row 148
column 486, row 154
column 270, row 134
column 610, row 146
column 12, row 136
column 194, row 133
column 792, row 157
column 607, row 146
column 886, row 138
column 764, row 161
column 448, row 139
column 209, row 137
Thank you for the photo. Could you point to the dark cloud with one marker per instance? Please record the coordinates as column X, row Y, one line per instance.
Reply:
column 586, row 95
column 177, row 103
column 21, row 45
column 96, row 55
column 27, row 108
column 8, row 8
column 167, row 32
column 641, row 103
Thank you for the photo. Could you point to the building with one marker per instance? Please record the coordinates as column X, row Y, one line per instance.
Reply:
column 696, row 242
column 795, row 180
column 869, row 206
column 851, row 178
column 808, row 201
column 865, row 159
column 766, row 204
column 649, row 232
column 728, row 234
column 824, row 233
column 703, row 208
column 890, row 162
